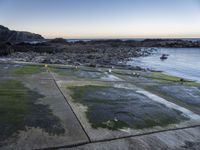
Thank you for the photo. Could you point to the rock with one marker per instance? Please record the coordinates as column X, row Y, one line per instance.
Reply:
column 8, row 35
column 58, row 40
column 5, row 48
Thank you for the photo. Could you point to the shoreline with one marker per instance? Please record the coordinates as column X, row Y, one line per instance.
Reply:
column 181, row 62
column 124, row 67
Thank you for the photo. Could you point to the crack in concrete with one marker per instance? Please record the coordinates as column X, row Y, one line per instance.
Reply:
column 69, row 105
column 106, row 140
column 119, row 138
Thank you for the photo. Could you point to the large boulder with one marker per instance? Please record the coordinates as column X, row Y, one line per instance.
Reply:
column 7, row 35
column 5, row 48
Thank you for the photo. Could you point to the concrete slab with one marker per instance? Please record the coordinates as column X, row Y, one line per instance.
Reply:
column 8, row 70
column 100, row 133
column 83, row 73
column 34, row 115
column 181, row 94
column 177, row 139
column 40, row 117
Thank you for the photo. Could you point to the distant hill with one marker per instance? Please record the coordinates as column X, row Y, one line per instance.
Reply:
column 7, row 35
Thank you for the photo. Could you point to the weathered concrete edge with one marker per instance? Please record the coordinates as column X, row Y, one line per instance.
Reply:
column 118, row 138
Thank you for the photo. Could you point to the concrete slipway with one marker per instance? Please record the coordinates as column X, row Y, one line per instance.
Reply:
column 64, row 107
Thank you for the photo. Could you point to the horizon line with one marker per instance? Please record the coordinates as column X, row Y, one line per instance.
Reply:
column 115, row 38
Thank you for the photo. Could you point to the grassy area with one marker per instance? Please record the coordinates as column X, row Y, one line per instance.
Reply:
column 170, row 96
column 193, row 84
column 13, row 104
column 18, row 109
column 29, row 69
column 109, row 107
column 79, row 73
column 63, row 71
column 162, row 76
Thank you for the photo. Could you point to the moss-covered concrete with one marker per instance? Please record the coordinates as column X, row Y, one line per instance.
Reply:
column 35, row 113
column 162, row 76
column 19, row 108
column 28, row 70
column 193, row 84
column 181, row 94
column 78, row 73
column 166, row 77
column 117, row 108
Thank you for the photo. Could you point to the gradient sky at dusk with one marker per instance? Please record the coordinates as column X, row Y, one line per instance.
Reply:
column 103, row 18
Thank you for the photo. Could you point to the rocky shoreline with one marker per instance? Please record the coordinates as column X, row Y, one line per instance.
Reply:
column 30, row 47
column 95, row 57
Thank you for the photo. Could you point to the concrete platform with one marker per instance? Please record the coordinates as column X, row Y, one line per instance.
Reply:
column 184, row 139
column 91, row 108
column 9, row 70
column 83, row 73
column 99, row 133
column 41, row 117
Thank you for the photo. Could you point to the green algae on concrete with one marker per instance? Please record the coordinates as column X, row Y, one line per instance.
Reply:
column 184, row 95
column 162, row 76
column 193, row 84
column 19, row 109
column 61, row 71
column 117, row 108
column 28, row 69
column 78, row 73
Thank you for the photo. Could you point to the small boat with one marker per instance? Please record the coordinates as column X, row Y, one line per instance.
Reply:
column 164, row 56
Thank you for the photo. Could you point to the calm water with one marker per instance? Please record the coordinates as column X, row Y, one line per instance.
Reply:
column 182, row 62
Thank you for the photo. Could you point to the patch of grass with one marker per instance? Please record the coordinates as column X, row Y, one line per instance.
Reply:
column 193, row 84
column 79, row 91
column 29, row 69
column 63, row 71
column 162, row 76
column 18, row 109
column 12, row 100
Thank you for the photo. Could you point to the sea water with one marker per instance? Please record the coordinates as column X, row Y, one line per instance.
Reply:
column 181, row 62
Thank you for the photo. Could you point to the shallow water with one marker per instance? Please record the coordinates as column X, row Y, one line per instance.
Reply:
column 182, row 62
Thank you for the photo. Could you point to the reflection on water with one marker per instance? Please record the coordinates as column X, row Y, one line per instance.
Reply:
column 182, row 62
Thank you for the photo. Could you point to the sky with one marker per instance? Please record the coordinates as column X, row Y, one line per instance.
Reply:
column 75, row 19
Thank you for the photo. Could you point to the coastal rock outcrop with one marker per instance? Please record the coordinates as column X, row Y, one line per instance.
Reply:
column 7, row 35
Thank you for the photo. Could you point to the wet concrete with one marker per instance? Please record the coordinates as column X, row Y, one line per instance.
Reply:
column 185, row 139
column 117, row 108
column 104, row 111
column 34, row 115
column 82, row 73
column 69, row 107
column 10, row 70
column 186, row 96
column 20, row 108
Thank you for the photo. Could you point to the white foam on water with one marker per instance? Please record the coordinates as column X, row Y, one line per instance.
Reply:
column 170, row 104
